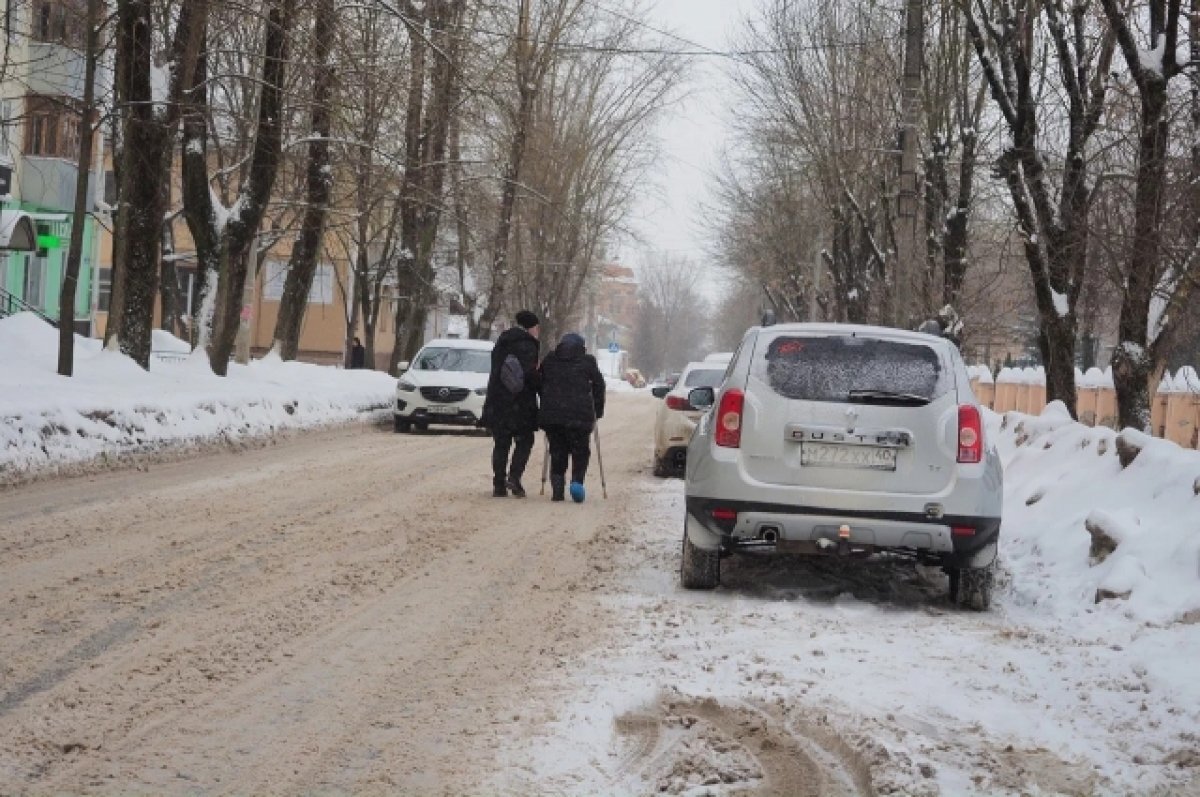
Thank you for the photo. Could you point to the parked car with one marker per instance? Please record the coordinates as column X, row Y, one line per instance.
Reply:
column 446, row 384
column 719, row 357
column 830, row 439
column 676, row 418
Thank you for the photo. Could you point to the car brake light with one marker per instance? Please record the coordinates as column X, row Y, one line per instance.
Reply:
column 729, row 419
column 970, row 434
column 962, row 531
column 724, row 513
column 678, row 403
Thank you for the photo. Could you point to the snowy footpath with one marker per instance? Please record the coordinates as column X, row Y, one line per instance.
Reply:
column 819, row 678
column 111, row 408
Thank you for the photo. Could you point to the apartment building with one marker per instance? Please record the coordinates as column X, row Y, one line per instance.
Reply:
column 41, row 84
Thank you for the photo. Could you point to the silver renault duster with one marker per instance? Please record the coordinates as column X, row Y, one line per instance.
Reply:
column 839, row 440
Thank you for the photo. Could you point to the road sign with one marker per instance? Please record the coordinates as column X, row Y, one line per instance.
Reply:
column 614, row 347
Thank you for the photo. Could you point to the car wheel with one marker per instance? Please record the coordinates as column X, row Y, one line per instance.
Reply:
column 971, row 587
column 698, row 568
column 422, row 426
column 399, row 424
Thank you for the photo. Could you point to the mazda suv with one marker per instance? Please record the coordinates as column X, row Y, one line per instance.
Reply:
column 446, row 384
column 840, row 440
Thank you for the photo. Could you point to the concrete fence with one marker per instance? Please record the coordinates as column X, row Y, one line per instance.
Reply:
column 1175, row 410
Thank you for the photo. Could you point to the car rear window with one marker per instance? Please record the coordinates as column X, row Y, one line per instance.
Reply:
column 831, row 368
column 704, row 377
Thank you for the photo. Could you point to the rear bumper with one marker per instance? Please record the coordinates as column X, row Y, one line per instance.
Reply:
column 801, row 529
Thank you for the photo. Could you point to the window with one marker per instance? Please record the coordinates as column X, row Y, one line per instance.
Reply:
column 51, row 128
column 104, row 290
column 704, row 377
column 833, row 368
column 477, row 361
column 59, row 22
column 275, row 275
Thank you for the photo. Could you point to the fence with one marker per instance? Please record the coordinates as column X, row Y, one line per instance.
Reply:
column 1175, row 408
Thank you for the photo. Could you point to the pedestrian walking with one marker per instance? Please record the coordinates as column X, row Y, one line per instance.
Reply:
column 510, row 410
column 572, row 402
column 358, row 355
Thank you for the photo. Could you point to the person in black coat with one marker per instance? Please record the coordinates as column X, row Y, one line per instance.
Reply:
column 572, row 402
column 358, row 355
column 512, row 416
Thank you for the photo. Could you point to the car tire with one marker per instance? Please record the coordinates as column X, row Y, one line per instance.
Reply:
column 698, row 568
column 421, row 426
column 971, row 587
column 399, row 424
column 660, row 468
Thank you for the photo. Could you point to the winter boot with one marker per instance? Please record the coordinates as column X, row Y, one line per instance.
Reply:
column 514, row 486
column 557, row 484
column 577, row 492
column 499, row 490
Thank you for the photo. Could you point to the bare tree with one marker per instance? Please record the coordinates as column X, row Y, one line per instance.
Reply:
column 1052, row 210
column 319, row 188
column 1140, row 353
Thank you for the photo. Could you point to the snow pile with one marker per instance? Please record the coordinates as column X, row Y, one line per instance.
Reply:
column 1084, row 534
column 112, row 407
column 980, row 373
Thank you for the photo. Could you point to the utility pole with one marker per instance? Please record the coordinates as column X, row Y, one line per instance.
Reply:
column 908, row 225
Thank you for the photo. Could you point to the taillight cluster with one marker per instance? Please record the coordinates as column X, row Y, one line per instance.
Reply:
column 678, row 403
column 970, row 434
column 728, row 421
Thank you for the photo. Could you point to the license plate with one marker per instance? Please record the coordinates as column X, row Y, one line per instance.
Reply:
column 830, row 455
column 442, row 410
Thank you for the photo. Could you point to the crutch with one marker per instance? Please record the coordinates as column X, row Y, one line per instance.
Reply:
column 599, row 457
column 545, row 463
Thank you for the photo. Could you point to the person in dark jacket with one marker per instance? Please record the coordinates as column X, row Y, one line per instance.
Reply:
column 512, row 416
column 358, row 355
column 572, row 402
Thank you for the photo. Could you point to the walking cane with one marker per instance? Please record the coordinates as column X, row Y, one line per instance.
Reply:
column 545, row 464
column 600, row 458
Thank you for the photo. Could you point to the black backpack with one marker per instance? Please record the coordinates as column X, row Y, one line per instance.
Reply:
column 512, row 374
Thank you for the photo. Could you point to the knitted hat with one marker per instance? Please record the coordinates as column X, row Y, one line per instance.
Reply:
column 527, row 319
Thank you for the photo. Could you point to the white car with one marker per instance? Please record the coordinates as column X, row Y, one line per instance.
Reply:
column 841, row 440
column 676, row 419
column 447, row 384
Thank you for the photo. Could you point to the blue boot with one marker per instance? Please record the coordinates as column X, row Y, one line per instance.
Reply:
column 577, row 492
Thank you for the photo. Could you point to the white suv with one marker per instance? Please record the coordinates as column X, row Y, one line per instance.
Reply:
column 830, row 439
column 446, row 384
column 676, row 418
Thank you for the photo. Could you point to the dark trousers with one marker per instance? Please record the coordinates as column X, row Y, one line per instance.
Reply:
column 501, row 467
column 572, row 443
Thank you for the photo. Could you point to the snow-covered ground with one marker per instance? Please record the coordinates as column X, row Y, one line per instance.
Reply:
column 112, row 407
column 869, row 672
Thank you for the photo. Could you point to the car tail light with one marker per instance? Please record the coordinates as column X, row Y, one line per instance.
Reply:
column 729, row 419
column 724, row 513
column 678, row 403
column 970, row 434
column 962, row 531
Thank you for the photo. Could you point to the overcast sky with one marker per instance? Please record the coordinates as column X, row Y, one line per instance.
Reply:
column 670, row 218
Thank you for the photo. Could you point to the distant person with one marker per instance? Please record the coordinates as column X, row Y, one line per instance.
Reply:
column 358, row 355
column 572, row 402
column 510, row 410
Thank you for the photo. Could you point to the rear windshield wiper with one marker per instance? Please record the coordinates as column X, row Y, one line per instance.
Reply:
column 886, row 397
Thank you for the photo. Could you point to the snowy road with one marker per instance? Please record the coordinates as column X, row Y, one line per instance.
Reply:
column 350, row 612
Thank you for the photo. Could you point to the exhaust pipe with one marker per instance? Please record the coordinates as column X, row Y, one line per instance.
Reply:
column 770, row 535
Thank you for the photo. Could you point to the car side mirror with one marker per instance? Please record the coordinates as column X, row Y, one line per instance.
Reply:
column 402, row 366
column 658, row 391
column 702, row 398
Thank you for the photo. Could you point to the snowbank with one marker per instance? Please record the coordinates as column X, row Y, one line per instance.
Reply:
column 1082, row 534
column 112, row 407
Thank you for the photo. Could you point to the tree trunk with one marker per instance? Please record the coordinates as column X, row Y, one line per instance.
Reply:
column 87, row 131
column 319, row 178
column 242, row 226
column 145, row 143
